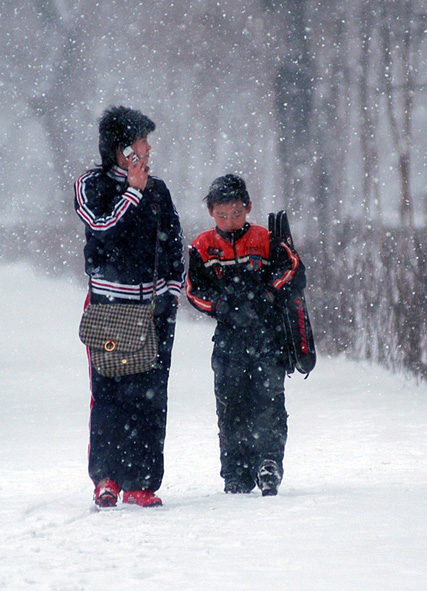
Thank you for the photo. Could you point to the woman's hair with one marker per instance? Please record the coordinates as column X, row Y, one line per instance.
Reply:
column 120, row 126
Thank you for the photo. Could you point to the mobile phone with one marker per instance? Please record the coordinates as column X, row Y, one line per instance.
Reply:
column 127, row 152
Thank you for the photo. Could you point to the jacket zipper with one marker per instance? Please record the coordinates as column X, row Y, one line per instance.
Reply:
column 233, row 242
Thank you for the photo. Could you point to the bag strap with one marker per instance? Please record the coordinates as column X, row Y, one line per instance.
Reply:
column 157, row 248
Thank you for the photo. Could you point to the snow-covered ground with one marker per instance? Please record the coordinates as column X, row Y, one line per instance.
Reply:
column 350, row 515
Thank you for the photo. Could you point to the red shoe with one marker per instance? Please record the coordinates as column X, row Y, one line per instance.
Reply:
column 106, row 493
column 144, row 498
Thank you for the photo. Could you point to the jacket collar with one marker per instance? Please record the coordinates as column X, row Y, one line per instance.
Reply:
column 118, row 174
column 236, row 235
column 121, row 175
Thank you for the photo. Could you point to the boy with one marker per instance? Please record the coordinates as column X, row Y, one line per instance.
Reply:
column 234, row 278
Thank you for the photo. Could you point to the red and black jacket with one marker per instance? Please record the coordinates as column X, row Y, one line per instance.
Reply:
column 238, row 269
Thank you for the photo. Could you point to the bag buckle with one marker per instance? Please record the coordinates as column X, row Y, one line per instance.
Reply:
column 110, row 345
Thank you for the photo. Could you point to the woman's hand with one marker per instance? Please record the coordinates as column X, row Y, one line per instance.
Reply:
column 137, row 172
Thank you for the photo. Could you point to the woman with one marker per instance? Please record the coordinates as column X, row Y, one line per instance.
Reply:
column 120, row 203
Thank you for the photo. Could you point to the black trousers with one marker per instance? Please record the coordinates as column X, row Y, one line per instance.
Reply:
column 250, row 405
column 128, row 416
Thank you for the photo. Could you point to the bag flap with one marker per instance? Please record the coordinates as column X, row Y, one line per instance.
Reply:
column 121, row 327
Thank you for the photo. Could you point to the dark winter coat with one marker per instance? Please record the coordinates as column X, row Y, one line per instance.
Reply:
column 121, row 226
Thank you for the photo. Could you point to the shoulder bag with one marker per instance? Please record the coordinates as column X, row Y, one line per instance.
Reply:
column 122, row 338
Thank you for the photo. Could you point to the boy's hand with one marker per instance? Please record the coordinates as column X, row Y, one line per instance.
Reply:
column 236, row 309
column 264, row 302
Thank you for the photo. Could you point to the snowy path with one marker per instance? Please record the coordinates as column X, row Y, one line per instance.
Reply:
column 350, row 515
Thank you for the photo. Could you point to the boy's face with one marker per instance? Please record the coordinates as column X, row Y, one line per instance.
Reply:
column 230, row 217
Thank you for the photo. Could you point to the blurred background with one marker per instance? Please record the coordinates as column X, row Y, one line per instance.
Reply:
column 319, row 105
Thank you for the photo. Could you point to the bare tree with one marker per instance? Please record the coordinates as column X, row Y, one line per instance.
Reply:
column 368, row 109
column 401, row 36
column 293, row 78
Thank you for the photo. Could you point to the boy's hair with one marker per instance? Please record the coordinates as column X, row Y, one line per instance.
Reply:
column 120, row 126
column 226, row 189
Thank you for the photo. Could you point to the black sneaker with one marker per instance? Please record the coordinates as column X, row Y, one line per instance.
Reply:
column 235, row 487
column 269, row 478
